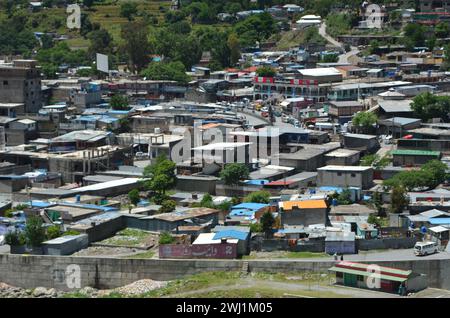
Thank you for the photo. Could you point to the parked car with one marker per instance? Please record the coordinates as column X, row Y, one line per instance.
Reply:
column 425, row 248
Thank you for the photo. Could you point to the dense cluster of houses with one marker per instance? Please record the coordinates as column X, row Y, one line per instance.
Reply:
column 69, row 158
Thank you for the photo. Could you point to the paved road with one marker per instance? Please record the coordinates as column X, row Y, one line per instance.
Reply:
column 387, row 255
column 343, row 58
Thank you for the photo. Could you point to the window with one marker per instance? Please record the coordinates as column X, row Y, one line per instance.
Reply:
column 339, row 174
column 360, row 278
column 5, row 83
column 353, row 175
column 339, row 275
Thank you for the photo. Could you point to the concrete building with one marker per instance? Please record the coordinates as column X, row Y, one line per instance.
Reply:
column 265, row 87
column 362, row 142
column 342, row 157
column 171, row 221
column 345, row 176
column 343, row 111
column 11, row 110
column 432, row 5
column 304, row 213
column 392, row 280
column 397, row 126
column 405, row 157
column 20, row 83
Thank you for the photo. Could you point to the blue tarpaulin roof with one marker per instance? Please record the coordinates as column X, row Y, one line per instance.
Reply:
column 250, row 206
column 242, row 212
column 256, row 182
column 91, row 206
column 41, row 204
column 439, row 221
column 231, row 234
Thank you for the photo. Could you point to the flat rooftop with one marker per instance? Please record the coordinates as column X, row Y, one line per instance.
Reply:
column 222, row 146
column 342, row 153
column 184, row 215
column 344, row 168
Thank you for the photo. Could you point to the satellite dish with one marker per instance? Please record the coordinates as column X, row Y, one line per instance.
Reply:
column 423, row 230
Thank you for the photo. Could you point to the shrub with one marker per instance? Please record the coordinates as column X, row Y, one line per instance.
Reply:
column 256, row 227
column 166, row 238
column 34, row 232
column 53, row 232
column 15, row 238
column 71, row 232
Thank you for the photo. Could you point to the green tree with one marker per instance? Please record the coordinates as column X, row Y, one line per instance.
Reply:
column 134, row 197
column 255, row 28
column 234, row 47
column 369, row 160
column 267, row 223
column 34, row 231
column 161, row 174
column 167, row 206
column 119, row 102
column 442, row 30
column 329, row 58
column 427, row 106
column 88, row 3
column 128, row 10
column 364, row 120
column 378, row 203
column 256, row 228
column 232, row 173
column 345, row 197
column 266, row 71
column 399, row 200
column 207, row 201
column 136, row 45
column 258, row 197
column 437, row 171
column 414, row 35
column 100, row 42
column 172, row 71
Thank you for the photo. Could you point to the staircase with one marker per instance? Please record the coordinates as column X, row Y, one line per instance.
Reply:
column 245, row 268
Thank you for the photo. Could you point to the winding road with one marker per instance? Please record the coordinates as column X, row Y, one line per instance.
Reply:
column 343, row 58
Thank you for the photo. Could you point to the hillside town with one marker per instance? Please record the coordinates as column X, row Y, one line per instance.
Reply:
column 311, row 139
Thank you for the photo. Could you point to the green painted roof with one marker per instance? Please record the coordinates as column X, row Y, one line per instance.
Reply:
column 386, row 273
column 406, row 152
column 364, row 273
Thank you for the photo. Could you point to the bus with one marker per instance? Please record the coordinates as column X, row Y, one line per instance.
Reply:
column 425, row 248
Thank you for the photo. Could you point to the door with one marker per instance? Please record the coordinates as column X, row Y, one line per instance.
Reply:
column 350, row 280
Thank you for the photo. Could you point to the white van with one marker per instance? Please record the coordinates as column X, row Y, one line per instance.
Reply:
column 425, row 248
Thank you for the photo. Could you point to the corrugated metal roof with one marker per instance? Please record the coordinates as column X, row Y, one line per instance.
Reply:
column 386, row 273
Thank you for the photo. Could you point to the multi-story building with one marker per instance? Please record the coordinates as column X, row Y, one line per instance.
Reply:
column 265, row 87
column 432, row 5
column 20, row 83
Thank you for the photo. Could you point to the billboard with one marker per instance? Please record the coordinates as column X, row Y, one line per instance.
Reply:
column 102, row 63
column 224, row 250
